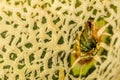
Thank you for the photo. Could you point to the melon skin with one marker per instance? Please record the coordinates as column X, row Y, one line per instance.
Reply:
column 37, row 39
column 86, row 66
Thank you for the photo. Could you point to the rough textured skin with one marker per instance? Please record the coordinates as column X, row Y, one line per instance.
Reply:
column 37, row 38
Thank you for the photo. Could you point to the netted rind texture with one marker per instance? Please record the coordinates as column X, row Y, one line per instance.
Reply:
column 36, row 38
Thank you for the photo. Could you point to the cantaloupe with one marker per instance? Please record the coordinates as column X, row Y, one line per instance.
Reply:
column 49, row 40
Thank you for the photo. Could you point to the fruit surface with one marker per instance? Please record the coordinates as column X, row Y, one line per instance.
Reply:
column 59, row 39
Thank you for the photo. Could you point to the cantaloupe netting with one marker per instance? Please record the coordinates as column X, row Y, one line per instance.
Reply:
column 36, row 38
